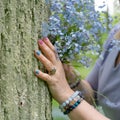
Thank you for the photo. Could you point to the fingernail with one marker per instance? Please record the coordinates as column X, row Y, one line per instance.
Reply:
column 46, row 38
column 37, row 72
column 40, row 42
column 38, row 52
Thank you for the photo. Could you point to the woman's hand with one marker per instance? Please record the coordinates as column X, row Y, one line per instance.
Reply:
column 57, row 82
column 55, row 77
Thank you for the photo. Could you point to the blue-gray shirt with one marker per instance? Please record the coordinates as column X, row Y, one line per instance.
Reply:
column 105, row 78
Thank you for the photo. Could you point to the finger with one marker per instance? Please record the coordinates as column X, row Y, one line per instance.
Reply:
column 48, row 65
column 47, row 42
column 43, row 76
column 51, row 46
column 49, row 54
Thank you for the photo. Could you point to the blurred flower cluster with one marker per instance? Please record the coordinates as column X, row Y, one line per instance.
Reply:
column 75, row 28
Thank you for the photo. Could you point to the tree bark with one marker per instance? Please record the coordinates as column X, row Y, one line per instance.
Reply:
column 22, row 95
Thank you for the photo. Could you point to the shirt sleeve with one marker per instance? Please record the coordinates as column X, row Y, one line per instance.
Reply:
column 92, row 78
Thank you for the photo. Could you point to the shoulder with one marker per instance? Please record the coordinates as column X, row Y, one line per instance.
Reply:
column 113, row 34
column 114, row 30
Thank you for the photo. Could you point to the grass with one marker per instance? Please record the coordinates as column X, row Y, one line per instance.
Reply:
column 56, row 113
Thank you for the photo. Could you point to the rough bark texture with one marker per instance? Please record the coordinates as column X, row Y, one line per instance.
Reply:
column 22, row 95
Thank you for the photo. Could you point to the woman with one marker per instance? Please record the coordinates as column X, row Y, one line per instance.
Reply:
column 100, row 80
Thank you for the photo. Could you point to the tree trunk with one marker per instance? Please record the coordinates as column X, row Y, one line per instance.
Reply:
column 22, row 95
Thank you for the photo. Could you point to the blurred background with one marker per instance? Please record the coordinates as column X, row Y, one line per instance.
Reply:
column 111, row 8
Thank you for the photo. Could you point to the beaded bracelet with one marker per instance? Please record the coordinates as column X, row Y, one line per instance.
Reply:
column 74, row 85
column 72, row 102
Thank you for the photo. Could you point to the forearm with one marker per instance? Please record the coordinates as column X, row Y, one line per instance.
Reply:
column 87, row 90
column 72, row 77
column 86, row 112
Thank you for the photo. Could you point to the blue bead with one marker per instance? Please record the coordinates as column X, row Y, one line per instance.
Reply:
column 64, row 104
column 73, row 106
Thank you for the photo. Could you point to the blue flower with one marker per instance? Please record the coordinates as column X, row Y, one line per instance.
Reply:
column 76, row 28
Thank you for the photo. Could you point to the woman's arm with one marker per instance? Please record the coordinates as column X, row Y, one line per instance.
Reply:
column 72, row 77
column 58, row 85
column 87, row 90
column 86, row 112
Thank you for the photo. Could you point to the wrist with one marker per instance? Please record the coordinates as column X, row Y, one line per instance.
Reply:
column 71, row 103
column 75, row 84
column 65, row 96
